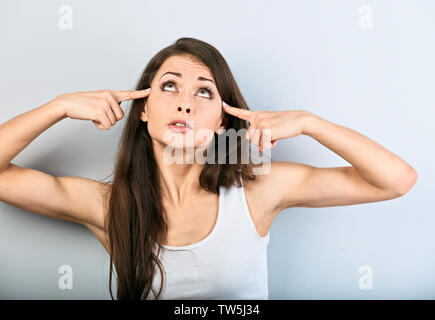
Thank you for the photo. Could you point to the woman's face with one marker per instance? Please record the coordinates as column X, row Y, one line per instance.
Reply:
column 186, row 95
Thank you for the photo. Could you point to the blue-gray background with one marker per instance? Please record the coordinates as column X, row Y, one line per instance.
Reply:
column 312, row 55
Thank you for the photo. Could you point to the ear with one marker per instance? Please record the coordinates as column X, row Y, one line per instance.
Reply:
column 144, row 115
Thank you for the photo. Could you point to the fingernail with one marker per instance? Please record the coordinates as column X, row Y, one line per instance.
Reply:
column 223, row 103
column 147, row 89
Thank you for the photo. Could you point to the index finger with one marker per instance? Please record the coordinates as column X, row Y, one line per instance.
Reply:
column 131, row 94
column 239, row 113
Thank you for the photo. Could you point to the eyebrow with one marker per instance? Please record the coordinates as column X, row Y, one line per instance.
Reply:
column 177, row 74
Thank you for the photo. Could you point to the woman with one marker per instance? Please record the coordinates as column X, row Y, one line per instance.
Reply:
column 192, row 230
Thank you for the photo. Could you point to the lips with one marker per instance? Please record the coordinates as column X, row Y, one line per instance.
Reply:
column 173, row 122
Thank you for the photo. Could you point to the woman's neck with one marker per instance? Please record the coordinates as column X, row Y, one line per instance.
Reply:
column 179, row 181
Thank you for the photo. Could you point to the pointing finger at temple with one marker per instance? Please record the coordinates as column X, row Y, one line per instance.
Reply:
column 131, row 94
column 239, row 113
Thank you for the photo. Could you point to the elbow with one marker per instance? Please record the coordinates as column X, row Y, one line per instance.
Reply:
column 408, row 181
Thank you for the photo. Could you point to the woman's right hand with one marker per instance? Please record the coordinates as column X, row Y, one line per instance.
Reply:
column 102, row 106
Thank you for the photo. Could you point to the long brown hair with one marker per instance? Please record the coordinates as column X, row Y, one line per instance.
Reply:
column 136, row 222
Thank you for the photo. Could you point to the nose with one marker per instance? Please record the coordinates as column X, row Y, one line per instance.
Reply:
column 186, row 109
column 184, row 103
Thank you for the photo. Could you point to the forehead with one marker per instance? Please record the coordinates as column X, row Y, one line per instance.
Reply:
column 188, row 66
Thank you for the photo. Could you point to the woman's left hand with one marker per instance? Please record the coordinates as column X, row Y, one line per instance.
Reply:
column 282, row 124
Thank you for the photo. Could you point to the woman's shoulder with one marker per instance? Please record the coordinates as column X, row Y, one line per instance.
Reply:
column 262, row 201
column 262, row 194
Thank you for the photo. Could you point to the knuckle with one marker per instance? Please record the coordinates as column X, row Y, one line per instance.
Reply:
column 129, row 95
column 107, row 95
column 101, row 114
column 262, row 116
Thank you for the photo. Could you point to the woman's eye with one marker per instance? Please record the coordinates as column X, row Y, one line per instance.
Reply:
column 206, row 91
column 168, row 83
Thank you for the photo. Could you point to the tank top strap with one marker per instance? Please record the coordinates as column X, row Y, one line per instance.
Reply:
column 236, row 218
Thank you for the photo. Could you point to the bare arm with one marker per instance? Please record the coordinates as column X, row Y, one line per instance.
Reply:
column 72, row 199
column 20, row 131
column 376, row 174
column 62, row 198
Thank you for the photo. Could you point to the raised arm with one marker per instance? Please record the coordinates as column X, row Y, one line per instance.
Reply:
column 375, row 174
column 72, row 199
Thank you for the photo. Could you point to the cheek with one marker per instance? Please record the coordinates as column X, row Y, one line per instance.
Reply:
column 161, row 95
column 155, row 118
column 208, row 118
column 216, row 116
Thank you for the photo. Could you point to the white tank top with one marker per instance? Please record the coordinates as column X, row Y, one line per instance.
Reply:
column 230, row 263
